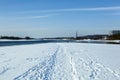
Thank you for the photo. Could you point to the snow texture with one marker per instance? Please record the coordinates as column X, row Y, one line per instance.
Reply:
column 60, row 61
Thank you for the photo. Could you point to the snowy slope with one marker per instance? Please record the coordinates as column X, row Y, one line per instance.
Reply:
column 60, row 61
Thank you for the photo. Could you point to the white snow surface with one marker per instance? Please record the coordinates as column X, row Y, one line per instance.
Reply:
column 60, row 61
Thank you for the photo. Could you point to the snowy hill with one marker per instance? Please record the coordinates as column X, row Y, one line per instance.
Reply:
column 60, row 61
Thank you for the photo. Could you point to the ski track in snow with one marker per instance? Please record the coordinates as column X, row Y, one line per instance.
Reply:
column 55, row 67
column 42, row 71
column 73, row 70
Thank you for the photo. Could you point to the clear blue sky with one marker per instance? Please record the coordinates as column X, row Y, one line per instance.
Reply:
column 52, row 18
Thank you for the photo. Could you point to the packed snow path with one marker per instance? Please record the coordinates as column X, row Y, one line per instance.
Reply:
column 57, row 61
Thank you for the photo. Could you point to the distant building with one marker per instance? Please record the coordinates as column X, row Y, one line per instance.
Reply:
column 113, row 32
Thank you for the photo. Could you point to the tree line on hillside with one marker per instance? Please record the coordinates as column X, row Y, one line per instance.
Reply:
column 92, row 37
column 14, row 38
column 114, row 37
column 98, row 37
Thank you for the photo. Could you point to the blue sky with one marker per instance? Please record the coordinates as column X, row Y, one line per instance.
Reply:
column 52, row 18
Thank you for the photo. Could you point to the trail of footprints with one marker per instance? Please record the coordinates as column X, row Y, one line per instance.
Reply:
column 82, row 68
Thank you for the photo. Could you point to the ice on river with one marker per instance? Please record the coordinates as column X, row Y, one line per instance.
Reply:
column 60, row 61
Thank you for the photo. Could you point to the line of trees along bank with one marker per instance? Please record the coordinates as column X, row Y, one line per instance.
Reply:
column 114, row 37
column 14, row 38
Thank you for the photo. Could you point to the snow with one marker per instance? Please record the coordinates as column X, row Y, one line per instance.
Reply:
column 60, row 61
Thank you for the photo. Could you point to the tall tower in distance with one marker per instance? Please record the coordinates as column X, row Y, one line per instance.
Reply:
column 76, row 34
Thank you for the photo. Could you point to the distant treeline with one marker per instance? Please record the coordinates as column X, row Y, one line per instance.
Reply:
column 92, row 37
column 104, row 37
column 14, row 38
column 114, row 37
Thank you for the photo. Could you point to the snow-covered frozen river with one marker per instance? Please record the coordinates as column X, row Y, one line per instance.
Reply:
column 60, row 61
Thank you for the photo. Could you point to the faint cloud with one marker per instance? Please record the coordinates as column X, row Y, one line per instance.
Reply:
column 85, row 9
column 74, row 9
column 38, row 16
column 44, row 16
column 35, row 17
